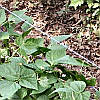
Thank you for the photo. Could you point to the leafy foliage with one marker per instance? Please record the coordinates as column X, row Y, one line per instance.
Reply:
column 97, row 94
column 17, row 20
column 21, row 74
column 4, row 35
column 32, row 71
column 92, row 4
column 8, row 88
column 76, row 3
column 2, row 16
column 73, row 90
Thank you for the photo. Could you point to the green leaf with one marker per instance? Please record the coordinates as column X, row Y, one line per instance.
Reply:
column 2, row 98
column 30, row 45
column 42, row 65
column 19, row 41
column 17, row 72
column 96, row 5
column 81, row 96
column 67, row 83
column 28, row 78
column 47, row 79
column 91, row 82
column 3, row 52
column 22, row 53
column 76, row 3
column 43, row 97
column 8, row 88
column 25, row 26
column 43, row 80
column 31, row 65
column 61, row 90
column 10, row 29
column 22, row 93
column 52, row 79
column 21, row 14
column 76, row 96
column 26, row 33
column 17, row 60
column 97, row 94
column 73, row 91
column 2, row 16
column 4, row 35
column 14, row 97
column 55, row 54
column 40, row 50
column 40, row 89
column 56, row 47
column 86, row 95
column 60, row 38
column 58, row 56
column 72, row 61
column 70, row 96
column 28, row 98
column 11, row 71
column 78, row 86
column 14, row 18
column 90, row 3
column 59, row 84
column 97, row 12
column 97, row 0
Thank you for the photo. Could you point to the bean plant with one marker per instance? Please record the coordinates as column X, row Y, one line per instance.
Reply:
column 29, row 70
